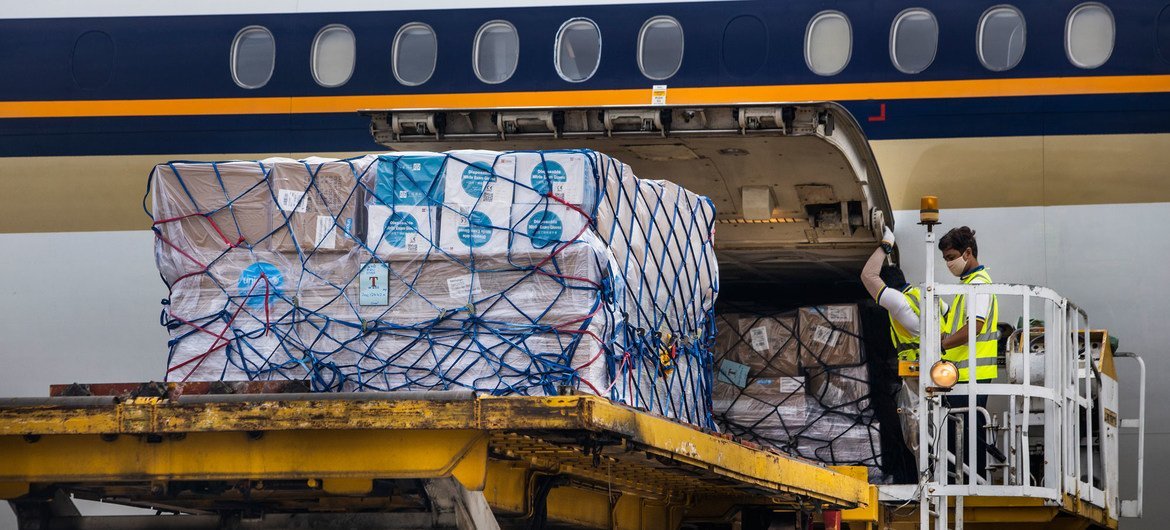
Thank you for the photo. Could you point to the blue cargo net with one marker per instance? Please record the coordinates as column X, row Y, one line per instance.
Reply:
column 514, row 273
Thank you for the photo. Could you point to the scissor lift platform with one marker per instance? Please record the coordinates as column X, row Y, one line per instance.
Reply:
column 384, row 459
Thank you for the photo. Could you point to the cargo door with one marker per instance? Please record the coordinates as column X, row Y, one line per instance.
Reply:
column 798, row 193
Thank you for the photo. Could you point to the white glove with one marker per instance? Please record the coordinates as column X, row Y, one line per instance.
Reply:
column 887, row 239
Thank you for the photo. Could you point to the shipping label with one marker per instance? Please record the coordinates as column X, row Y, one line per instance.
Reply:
column 759, row 339
column 826, row 335
column 838, row 313
column 326, row 237
column 463, row 286
column 373, row 284
column 291, row 201
column 733, row 373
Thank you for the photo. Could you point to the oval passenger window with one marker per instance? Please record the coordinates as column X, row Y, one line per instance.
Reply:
column 1002, row 38
column 333, row 54
column 253, row 57
column 415, row 52
column 660, row 48
column 828, row 43
column 745, row 46
column 93, row 59
column 497, row 51
column 578, row 50
column 1088, row 35
column 913, row 40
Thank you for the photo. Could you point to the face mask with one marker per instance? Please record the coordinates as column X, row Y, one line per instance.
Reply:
column 957, row 265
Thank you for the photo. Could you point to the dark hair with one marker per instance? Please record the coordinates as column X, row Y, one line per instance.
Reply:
column 893, row 277
column 959, row 239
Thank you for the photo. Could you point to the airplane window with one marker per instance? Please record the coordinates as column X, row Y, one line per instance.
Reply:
column 414, row 55
column 828, row 43
column 497, row 50
column 93, row 60
column 745, row 46
column 333, row 55
column 578, row 50
column 1088, row 35
column 913, row 40
column 253, row 57
column 1002, row 38
column 660, row 48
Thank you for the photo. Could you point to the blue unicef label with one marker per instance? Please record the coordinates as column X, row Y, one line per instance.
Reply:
column 545, row 228
column 548, row 176
column 478, row 230
column 399, row 228
column 476, row 178
column 258, row 279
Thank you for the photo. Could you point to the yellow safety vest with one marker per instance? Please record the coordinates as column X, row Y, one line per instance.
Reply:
column 986, row 338
column 906, row 343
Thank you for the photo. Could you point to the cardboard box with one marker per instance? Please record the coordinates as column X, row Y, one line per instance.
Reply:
column 402, row 231
column 483, row 358
column 840, row 440
column 204, row 209
column 231, row 322
column 473, row 177
column 563, row 174
column 766, row 410
column 316, row 204
column 767, row 343
column 543, row 228
column 830, row 336
column 479, row 230
column 841, row 389
column 407, row 179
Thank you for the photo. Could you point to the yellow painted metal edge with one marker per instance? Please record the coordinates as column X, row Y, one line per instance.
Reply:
column 351, row 457
column 865, row 513
column 766, row 469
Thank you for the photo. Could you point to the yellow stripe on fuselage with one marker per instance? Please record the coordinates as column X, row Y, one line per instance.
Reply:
column 969, row 88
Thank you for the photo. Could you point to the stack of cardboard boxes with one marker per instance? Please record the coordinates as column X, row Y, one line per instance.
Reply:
column 797, row 382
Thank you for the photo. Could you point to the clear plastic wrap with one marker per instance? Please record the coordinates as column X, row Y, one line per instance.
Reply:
column 508, row 273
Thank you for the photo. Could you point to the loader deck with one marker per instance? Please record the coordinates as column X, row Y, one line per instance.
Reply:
column 577, row 460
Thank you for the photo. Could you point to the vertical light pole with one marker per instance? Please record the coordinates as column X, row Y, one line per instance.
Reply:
column 929, row 467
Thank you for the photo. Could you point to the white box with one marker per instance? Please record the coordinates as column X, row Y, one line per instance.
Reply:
column 562, row 173
column 541, row 228
column 481, row 229
column 400, row 230
column 474, row 177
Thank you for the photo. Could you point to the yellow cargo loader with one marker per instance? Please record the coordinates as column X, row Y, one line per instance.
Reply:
column 389, row 460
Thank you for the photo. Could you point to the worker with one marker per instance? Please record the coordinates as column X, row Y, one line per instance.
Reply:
column 889, row 288
column 961, row 253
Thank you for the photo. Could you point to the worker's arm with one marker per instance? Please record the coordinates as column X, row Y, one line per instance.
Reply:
column 871, row 273
column 960, row 336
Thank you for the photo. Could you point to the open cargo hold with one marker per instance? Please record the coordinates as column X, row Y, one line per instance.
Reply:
column 523, row 273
